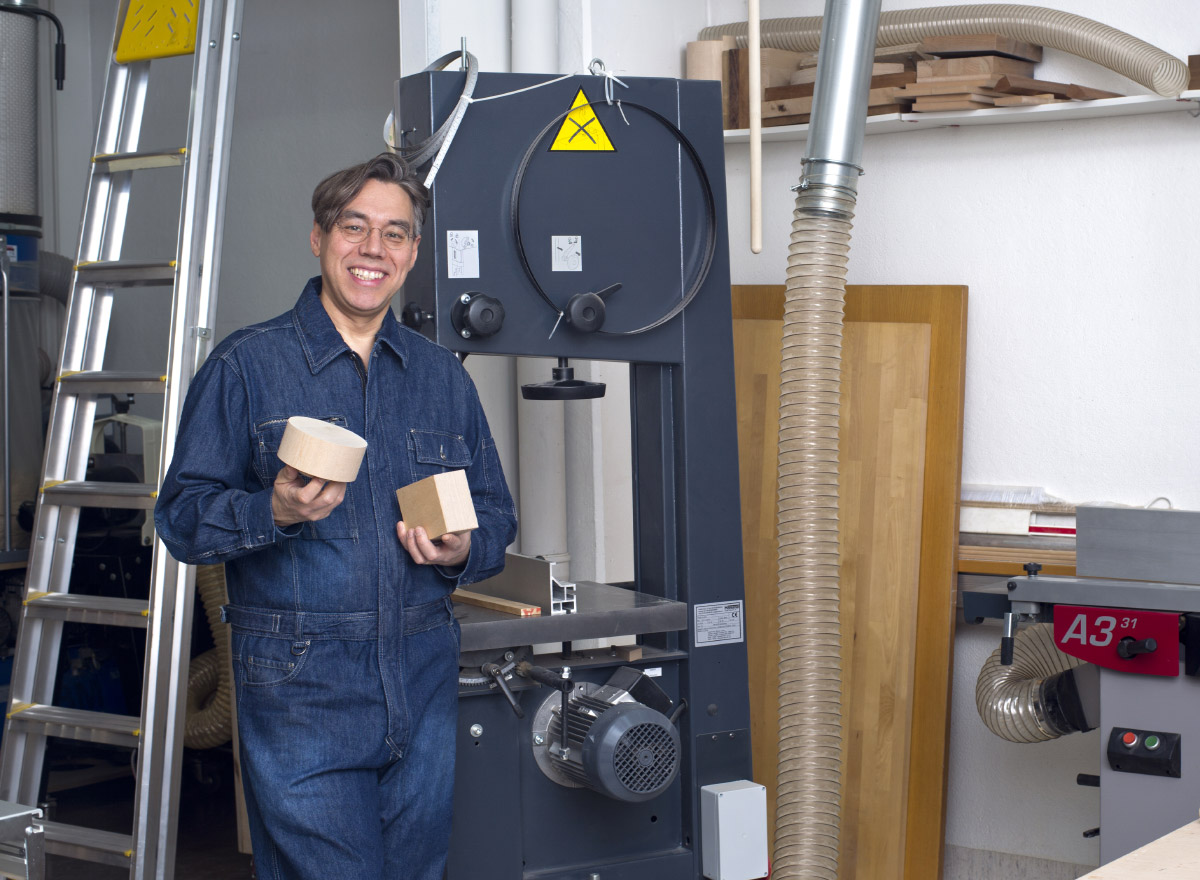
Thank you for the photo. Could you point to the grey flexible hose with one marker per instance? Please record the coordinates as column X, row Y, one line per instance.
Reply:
column 1012, row 700
column 1127, row 55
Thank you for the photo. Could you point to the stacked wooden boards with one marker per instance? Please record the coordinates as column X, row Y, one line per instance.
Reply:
column 962, row 72
column 903, row 370
column 981, row 71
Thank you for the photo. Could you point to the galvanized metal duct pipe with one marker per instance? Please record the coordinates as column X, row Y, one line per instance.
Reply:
column 808, row 806
column 1037, row 697
column 1104, row 45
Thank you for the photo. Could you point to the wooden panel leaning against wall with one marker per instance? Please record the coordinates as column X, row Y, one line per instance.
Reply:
column 901, row 450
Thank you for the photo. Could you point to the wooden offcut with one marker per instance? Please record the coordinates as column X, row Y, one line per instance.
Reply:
column 974, row 65
column 1010, row 561
column 776, row 66
column 1194, row 72
column 440, row 504
column 321, row 449
column 805, row 90
column 495, row 603
column 703, row 57
column 921, row 642
column 953, row 45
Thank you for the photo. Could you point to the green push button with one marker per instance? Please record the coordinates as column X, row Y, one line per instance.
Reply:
column 1153, row 742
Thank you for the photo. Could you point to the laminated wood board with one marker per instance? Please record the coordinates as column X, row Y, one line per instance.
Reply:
column 798, row 106
column 951, row 46
column 808, row 75
column 703, row 58
column 976, row 65
column 915, row 795
column 776, row 66
column 1026, row 100
column 803, row 118
column 1194, row 71
column 805, row 90
column 966, row 102
column 1023, row 85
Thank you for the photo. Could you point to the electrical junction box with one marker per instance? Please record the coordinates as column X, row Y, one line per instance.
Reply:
column 733, row 817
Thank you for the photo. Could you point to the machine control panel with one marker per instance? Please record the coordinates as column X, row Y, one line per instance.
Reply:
column 1152, row 752
column 1124, row 639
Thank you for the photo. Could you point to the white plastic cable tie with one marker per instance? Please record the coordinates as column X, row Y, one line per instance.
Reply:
column 555, row 327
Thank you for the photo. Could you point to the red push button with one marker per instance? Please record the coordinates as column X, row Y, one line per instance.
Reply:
column 1129, row 738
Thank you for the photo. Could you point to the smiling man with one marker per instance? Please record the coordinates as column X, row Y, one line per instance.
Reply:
column 345, row 647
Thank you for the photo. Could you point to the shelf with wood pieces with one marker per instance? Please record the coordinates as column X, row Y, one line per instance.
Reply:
column 1135, row 105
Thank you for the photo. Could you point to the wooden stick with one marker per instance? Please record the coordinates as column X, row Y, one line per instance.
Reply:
column 507, row 606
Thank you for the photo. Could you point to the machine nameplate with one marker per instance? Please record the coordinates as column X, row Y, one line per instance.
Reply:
column 719, row 623
column 1095, row 635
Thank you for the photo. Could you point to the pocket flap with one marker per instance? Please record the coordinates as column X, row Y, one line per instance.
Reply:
column 440, row 448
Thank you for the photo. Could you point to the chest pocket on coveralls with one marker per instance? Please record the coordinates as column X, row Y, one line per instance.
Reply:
column 341, row 522
column 432, row 452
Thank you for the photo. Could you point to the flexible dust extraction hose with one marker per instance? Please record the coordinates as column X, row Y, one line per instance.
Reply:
column 1127, row 55
column 209, row 693
column 1035, row 699
column 809, row 790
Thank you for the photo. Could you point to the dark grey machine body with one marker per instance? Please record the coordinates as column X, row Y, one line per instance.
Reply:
column 640, row 211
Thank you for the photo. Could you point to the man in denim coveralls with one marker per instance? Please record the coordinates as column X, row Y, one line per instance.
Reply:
column 345, row 647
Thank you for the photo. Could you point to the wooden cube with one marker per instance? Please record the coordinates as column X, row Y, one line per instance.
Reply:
column 439, row 504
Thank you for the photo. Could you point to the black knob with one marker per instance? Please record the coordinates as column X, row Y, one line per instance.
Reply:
column 412, row 315
column 585, row 312
column 1129, row 647
column 477, row 314
column 1032, row 568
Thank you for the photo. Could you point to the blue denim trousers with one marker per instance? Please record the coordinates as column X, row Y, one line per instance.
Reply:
column 329, row 795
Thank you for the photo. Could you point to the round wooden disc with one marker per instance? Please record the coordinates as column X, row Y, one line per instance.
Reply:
column 322, row 449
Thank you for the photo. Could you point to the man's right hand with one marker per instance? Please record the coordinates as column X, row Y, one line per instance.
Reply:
column 299, row 499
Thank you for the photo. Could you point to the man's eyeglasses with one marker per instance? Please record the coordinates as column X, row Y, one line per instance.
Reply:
column 354, row 232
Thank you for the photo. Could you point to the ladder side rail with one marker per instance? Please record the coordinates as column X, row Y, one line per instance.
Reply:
column 193, row 348
column 34, row 671
column 168, row 644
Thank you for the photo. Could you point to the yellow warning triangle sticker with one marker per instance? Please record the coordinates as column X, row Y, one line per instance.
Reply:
column 581, row 131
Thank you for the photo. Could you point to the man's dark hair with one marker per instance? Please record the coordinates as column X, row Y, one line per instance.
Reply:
column 339, row 189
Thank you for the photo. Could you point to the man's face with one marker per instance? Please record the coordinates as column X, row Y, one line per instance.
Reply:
column 360, row 279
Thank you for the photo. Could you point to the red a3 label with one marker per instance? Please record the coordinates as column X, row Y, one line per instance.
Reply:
column 1102, row 635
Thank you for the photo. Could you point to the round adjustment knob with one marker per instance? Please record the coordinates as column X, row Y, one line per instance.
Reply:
column 477, row 315
column 585, row 312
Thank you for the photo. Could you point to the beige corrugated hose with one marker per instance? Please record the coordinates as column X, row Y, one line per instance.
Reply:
column 1010, row 698
column 209, row 694
column 1127, row 55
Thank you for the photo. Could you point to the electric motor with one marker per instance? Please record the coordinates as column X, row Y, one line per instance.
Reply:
column 615, row 744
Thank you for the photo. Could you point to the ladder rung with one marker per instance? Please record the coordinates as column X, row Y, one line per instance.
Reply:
column 112, row 382
column 114, row 162
column 80, row 493
column 126, row 273
column 90, row 844
column 78, row 608
column 79, row 724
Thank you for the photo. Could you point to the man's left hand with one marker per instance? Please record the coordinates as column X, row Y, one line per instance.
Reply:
column 451, row 550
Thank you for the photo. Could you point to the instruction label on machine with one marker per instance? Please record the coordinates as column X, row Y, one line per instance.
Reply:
column 718, row 623
column 462, row 253
column 566, row 253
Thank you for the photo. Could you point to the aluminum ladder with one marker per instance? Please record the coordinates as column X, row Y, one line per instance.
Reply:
column 152, row 30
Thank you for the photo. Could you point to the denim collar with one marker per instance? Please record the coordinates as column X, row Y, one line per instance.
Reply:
column 321, row 341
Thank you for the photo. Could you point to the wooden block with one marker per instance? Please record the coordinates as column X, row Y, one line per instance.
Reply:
column 796, row 106
column 905, row 53
column 703, row 57
column 495, row 603
column 1023, row 85
column 1194, row 69
column 805, row 90
column 628, row 653
column 776, row 68
column 1086, row 93
column 980, row 44
column 440, row 504
column 1026, row 100
column 925, row 106
column 951, row 86
column 975, row 65
column 321, row 449
column 809, row 74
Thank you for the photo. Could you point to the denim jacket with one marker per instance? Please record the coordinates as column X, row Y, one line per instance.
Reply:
column 419, row 413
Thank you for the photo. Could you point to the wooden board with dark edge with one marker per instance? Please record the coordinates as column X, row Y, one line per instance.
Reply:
column 943, row 308
column 957, row 45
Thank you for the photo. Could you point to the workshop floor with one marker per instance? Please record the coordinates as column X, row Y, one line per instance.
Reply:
column 206, row 844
